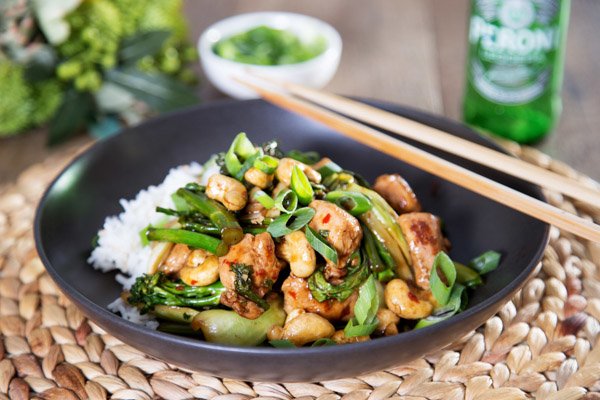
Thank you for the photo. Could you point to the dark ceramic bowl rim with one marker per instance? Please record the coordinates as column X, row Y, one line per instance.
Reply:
column 488, row 306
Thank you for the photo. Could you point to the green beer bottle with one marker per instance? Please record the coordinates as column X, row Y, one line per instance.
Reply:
column 515, row 66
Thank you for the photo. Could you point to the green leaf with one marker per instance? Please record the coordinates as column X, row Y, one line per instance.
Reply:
column 323, row 342
column 73, row 114
column 282, row 344
column 487, row 262
column 142, row 44
column 323, row 290
column 159, row 91
column 320, row 245
column 441, row 289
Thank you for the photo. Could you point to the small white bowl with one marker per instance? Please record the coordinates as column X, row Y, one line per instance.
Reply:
column 316, row 72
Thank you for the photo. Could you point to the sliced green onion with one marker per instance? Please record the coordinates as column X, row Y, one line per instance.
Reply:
column 288, row 223
column 456, row 303
column 329, row 169
column 282, row 344
column 306, row 157
column 264, row 199
column 365, row 310
column 247, row 165
column 266, row 164
column 353, row 202
column 487, row 262
column 301, row 186
column 320, row 245
column 143, row 237
column 441, row 289
column 192, row 239
column 255, row 230
column 467, row 276
column 353, row 330
column 179, row 203
column 242, row 147
column 286, row 201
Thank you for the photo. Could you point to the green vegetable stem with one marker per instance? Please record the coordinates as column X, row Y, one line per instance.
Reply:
column 149, row 291
column 192, row 239
column 231, row 231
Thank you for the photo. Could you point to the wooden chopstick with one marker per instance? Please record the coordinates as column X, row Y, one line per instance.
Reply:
column 449, row 143
column 432, row 164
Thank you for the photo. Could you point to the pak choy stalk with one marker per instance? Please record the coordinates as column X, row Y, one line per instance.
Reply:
column 230, row 230
column 381, row 221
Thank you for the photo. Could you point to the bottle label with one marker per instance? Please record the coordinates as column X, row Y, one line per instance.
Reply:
column 513, row 43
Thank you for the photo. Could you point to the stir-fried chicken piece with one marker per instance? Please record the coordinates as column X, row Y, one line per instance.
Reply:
column 241, row 305
column 252, row 259
column 297, row 295
column 425, row 240
column 339, row 228
column 396, row 191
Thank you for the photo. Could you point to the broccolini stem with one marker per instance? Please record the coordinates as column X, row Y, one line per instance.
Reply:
column 193, row 239
column 231, row 231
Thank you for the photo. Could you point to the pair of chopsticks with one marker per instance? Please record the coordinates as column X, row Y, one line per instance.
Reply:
column 284, row 96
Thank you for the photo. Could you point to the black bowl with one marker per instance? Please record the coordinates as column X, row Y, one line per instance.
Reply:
column 88, row 190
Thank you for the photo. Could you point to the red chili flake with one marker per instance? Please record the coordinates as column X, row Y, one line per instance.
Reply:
column 326, row 218
column 413, row 297
column 193, row 282
column 179, row 287
column 292, row 295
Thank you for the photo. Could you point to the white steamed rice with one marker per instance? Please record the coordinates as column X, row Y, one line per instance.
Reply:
column 119, row 243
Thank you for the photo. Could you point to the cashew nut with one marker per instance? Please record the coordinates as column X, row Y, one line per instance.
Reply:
column 284, row 171
column 258, row 178
column 202, row 269
column 296, row 250
column 387, row 322
column 340, row 338
column 302, row 329
column 231, row 192
column 403, row 302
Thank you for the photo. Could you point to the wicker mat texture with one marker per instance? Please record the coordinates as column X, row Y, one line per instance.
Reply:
column 545, row 343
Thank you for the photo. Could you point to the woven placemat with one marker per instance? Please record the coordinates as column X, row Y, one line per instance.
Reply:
column 545, row 343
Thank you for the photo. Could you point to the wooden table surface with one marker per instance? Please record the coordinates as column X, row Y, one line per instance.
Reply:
column 407, row 51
